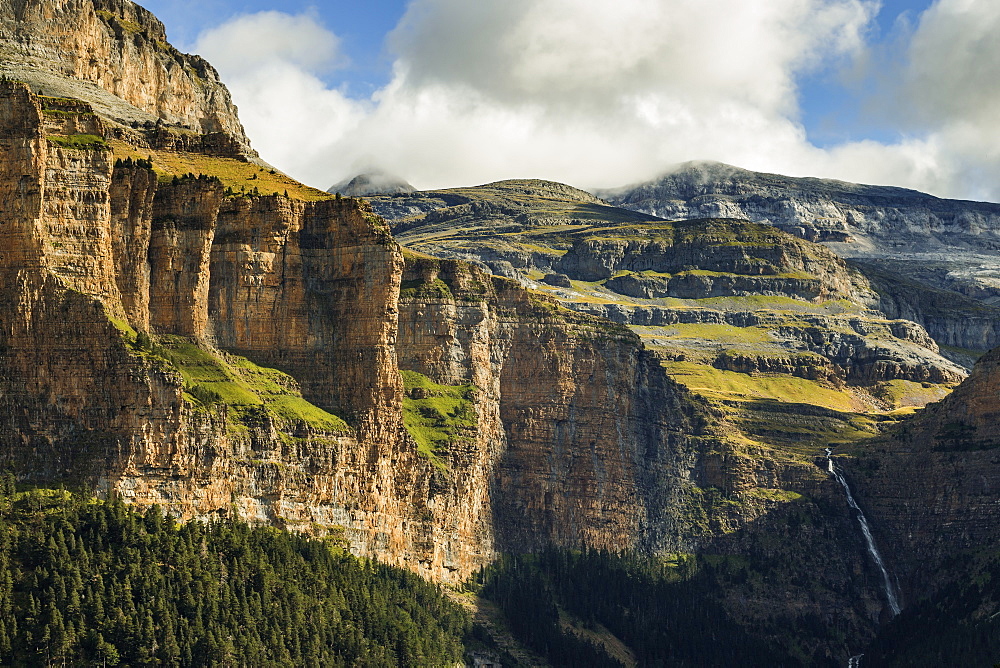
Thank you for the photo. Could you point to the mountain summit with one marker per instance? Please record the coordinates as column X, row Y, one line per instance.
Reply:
column 867, row 220
column 372, row 183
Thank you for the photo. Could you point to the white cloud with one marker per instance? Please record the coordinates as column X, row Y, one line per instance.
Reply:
column 949, row 83
column 270, row 61
column 250, row 41
column 599, row 94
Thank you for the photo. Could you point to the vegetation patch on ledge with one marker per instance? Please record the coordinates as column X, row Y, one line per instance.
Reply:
column 79, row 142
column 128, row 26
column 437, row 415
column 421, row 289
column 215, row 378
column 239, row 177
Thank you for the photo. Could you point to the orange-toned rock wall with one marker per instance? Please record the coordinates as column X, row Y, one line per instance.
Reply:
column 183, row 228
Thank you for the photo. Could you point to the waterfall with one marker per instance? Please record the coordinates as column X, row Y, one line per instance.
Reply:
column 855, row 661
column 890, row 591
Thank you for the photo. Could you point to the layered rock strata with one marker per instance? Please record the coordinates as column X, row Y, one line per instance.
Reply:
column 932, row 260
column 952, row 318
column 855, row 348
column 97, row 251
column 751, row 259
column 582, row 438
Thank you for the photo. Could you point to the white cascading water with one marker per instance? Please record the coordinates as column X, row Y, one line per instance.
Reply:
column 855, row 661
column 890, row 591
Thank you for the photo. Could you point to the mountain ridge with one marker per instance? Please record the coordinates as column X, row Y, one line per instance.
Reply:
column 912, row 230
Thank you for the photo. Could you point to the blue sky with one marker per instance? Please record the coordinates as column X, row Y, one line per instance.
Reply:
column 448, row 93
column 362, row 27
column 834, row 107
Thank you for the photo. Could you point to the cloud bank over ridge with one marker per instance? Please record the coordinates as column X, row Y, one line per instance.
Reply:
column 595, row 94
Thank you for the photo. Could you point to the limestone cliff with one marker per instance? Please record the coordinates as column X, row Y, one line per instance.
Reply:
column 582, row 439
column 935, row 300
column 753, row 259
column 99, row 255
column 176, row 342
column 743, row 298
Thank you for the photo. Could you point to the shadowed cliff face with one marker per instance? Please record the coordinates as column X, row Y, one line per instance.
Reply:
column 932, row 486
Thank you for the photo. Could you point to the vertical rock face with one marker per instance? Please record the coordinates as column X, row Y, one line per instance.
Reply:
column 67, row 377
column 23, row 148
column 581, row 440
column 132, row 190
column 573, row 436
column 310, row 287
column 182, row 231
column 577, row 472
column 94, row 250
column 97, row 250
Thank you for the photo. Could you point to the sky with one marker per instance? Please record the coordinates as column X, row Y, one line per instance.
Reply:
column 448, row 93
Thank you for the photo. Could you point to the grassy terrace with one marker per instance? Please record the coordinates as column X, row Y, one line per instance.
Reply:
column 798, row 416
column 81, row 142
column 214, row 378
column 437, row 415
column 532, row 224
column 720, row 384
column 241, row 385
column 236, row 175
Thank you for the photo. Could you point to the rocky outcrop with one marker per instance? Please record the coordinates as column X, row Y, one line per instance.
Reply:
column 181, row 234
column 695, row 285
column 754, row 256
column 900, row 238
column 372, row 183
column 851, row 348
column 133, row 187
column 311, row 288
column 952, row 318
column 114, row 54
